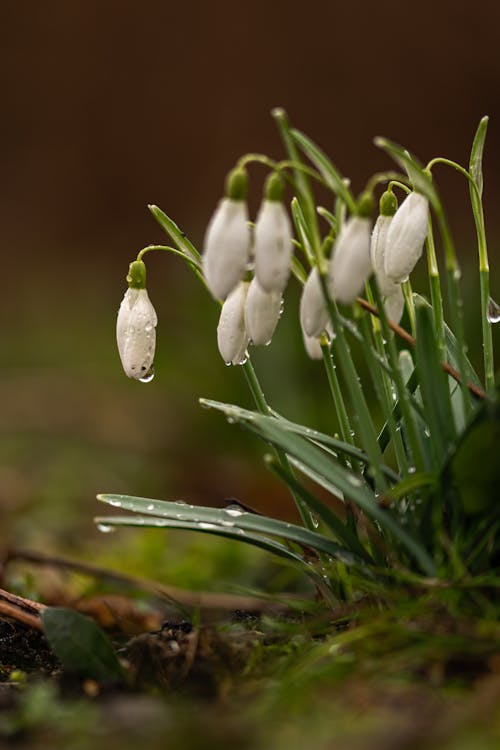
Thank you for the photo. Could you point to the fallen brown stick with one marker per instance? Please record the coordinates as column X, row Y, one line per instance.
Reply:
column 21, row 609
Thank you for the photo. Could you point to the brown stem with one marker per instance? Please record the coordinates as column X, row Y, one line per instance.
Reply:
column 21, row 609
column 411, row 341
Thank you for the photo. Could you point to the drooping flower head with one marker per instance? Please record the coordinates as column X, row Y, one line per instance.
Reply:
column 406, row 236
column 313, row 310
column 136, row 326
column 226, row 248
column 262, row 313
column 351, row 264
column 388, row 207
column 232, row 336
column 273, row 239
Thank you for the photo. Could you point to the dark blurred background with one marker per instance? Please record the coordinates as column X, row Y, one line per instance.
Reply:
column 108, row 106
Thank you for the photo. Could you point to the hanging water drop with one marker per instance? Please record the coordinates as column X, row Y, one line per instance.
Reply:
column 104, row 528
column 148, row 377
column 493, row 313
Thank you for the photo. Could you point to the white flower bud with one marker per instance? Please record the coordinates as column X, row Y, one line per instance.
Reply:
column 272, row 246
column 406, row 236
column 313, row 310
column 313, row 347
column 394, row 305
column 262, row 312
column 136, row 334
column 351, row 265
column 226, row 247
column 377, row 253
column 232, row 336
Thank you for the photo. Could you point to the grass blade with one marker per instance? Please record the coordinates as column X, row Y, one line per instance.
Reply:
column 178, row 237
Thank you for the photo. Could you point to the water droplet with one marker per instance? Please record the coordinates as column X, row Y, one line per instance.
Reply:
column 148, row 328
column 207, row 526
column 228, row 523
column 104, row 528
column 234, row 512
column 148, row 377
column 151, row 506
column 314, row 520
column 411, row 470
column 115, row 503
column 493, row 313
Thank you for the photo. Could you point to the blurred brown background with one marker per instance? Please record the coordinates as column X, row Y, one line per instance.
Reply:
column 107, row 106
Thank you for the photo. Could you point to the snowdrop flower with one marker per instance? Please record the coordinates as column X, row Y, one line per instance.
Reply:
column 313, row 343
column 232, row 336
column 262, row 312
column 406, row 236
column 273, row 239
column 135, row 326
column 394, row 304
column 226, row 248
column 313, row 310
column 351, row 263
column 388, row 207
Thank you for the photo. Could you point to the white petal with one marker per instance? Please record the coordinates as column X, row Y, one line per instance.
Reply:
column 351, row 264
column 262, row 312
column 394, row 305
column 377, row 253
column 313, row 311
column 313, row 347
column 232, row 337
column 272, row 246
column 135, row 333
column 226, row 247
column 406, row 236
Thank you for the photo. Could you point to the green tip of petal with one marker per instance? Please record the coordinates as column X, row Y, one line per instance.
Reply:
column 274, row 188
column 365, row 205
column 388, row 203
column 136, row 277
column 237, row 184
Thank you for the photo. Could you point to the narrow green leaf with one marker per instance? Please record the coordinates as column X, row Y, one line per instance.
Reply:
column 433, row 386
column 302, row 230
column 315, row 464
column 178, row 237
column 229, row 521
column 476, row 154
column 420, row 179
column 452, row 347
column 323, row 164
column 80, row 644
column 413, row 482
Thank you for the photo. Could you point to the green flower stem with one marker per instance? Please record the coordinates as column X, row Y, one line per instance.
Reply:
column 263, row 407
column 410, row 305
column 484, row 271
column 346, row 431
column 192, row 263
column 306, row 195
column 456, row 304
column 367, row 431
column 435, row 288
column 382, row 382
column 407, row 412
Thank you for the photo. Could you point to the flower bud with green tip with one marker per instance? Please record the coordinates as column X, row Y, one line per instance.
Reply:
column 232, row 336
column 351, row 264
column 262, row 313
column 135, row 326
column 313, row 310
column 406, row 237
column 226, row 248
column 273, row 247
column 388, row 207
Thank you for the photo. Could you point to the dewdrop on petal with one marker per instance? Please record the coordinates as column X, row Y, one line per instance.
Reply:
column 262, row 313
column 313, row 310
column 226, row 248
column 232, row 336
column 351, row 263
column 388, row 207
column 273, row 247
column 135, row 326
column 406, row 236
